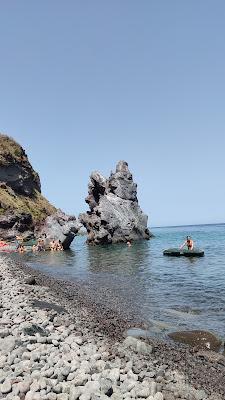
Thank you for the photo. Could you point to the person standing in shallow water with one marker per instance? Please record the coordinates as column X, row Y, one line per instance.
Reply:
column 189, row 243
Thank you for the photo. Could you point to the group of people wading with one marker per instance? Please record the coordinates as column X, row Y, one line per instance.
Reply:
column 42, row 245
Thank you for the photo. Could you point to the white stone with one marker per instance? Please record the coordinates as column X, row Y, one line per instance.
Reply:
column 114, row 374
column 51, row 396
column 158, row 396
column 127, row 385
column 23, row 386
column 62, row 396
column 6, row 387
column 80, row 378
column 7, row 344
column 2, row 361
column 91, row 387
column 35, row 386
column 142, row 391
column 153, row 387
column 75, row 392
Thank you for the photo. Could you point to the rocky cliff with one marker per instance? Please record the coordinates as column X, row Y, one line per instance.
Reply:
column 22, row 205
column 114, row 215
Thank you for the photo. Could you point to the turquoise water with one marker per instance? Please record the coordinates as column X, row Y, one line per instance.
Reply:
column 168, row 292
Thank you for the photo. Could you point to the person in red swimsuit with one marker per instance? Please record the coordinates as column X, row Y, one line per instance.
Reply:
column 189, row 243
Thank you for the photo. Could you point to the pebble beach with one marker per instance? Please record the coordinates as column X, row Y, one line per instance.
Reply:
column 56, row 344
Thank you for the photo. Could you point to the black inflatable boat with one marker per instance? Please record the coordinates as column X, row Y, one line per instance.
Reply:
column 186, row 253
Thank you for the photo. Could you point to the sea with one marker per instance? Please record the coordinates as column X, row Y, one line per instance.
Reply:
column 169, row 293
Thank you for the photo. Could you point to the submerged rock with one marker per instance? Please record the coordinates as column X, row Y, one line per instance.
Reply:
column 114, row 215
column 198, row 339
column 59, row 226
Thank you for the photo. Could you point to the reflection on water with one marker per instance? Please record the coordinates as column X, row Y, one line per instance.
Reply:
column 171, row 293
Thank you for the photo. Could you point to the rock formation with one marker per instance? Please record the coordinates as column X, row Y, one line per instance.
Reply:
column 15, row 170
column 13, row 224
column 114, row 215
column 59, row 226
column 22, row 206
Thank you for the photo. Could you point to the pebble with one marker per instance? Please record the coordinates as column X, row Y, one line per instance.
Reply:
column 75, row 392
column 6, row 387
column 23, row 386
column 158, row 396
column 80, row 379
column 63, row 396
column 7, row 344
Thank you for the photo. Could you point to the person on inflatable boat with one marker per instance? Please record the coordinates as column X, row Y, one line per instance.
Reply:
column 189, row 243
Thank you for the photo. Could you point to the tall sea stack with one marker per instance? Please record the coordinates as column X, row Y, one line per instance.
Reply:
column 115, row 215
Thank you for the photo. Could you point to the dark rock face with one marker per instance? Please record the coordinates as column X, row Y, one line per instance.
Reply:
column 21, row 178
column 114, row 215
column 12, row 224
column 198, row 339
column 15, row 168
column 59, row 226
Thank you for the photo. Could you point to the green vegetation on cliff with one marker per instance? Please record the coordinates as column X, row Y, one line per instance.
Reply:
column 10, row 150
column 38, row 206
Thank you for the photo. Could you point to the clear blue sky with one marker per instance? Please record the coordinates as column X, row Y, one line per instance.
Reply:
column 84, row 84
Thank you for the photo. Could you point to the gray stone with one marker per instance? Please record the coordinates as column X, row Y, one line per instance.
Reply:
column 100, row 365
column 42, row 383
column 57, row 388
column 49, row 372
column 127, row 385
column 142, row 391
column 2, row 361
column 153, row 388
column 85, row 396
column 30, row 395
column 71, row 376
column 200, row 395
column 80, row 378
column 106, row 386
column 138, row 345
column 66, row 370
column 143, row 348
column 74, row 365
column 4, row 333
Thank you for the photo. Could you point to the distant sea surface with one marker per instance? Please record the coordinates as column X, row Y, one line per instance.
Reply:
column 169, row 293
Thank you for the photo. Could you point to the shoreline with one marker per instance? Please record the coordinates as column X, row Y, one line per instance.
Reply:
column 79, row 331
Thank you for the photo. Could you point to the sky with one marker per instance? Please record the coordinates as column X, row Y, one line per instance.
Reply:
column 84, row 84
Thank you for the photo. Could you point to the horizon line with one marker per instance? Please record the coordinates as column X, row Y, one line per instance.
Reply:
column 178, row 226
